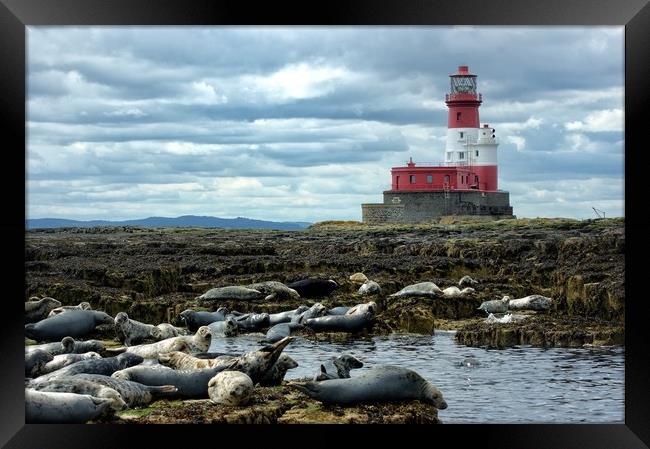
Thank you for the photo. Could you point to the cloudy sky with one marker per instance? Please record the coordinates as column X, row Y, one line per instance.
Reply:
column 304, row 123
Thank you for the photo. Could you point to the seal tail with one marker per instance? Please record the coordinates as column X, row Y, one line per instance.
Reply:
column 163, row 390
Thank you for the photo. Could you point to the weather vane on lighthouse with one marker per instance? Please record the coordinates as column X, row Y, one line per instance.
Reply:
column 466, row 183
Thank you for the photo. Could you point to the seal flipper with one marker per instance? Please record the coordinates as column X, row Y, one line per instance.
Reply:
column 163, row 390
column 308, row 388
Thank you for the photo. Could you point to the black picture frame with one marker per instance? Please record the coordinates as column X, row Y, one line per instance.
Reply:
column 15, row 15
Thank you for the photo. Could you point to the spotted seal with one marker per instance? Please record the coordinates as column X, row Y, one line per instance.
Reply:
column 285, row 317
column 63, row 408
column 233, row 292
column 106, row 366
column 369, row 288
column 199, row 342
column 230, row 388
column 495, row 306
column 130, row 331
column 73, row 384
column 275, row 375
column 195, row 319
column 39, row 309
column 274, row 290
column 226, row 328
column 182, row 361
column 63, row 360
column 385, row 383
column 165, row 330
column 279, row 331
column 338, row 367
column 314, row 287
column 133, row 393
column 421, row 289
column 82, row 306
column 531, row 302
column 35, row 362
column 313, row 312
column 74, row 323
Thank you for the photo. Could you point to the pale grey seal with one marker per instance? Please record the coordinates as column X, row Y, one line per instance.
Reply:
column 233, row 292
column 467, row 281
column 82, row 306
column 63, row 360
column 165, row 330
column 63, row 408
column 35, row 362
column 182, row 361
column 369, row 288
column 133, row 393
column 455, row 292
column 74, row 323
column 421, row 289
column 338, row 367
column 275, row 375
column 360, row 309
column 38, row 310
column 230, row 388
column 384, row 383
column 130, row 331
column 274, row 290
column 285, row 317
column 199, row 342
column 226, row 328
column 314, row 287
column 531, row 302
column 73, row 384
column 195, row 319
column 494, row 306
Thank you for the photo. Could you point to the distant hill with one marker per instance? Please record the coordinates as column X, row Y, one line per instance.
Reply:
column 186, row 221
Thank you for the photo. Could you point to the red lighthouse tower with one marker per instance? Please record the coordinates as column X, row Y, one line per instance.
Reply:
column 465, row 183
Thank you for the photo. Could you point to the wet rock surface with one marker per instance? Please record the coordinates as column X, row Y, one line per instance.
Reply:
column 154, row 274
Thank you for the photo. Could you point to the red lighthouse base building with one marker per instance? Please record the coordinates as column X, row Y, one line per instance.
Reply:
column 465, row 184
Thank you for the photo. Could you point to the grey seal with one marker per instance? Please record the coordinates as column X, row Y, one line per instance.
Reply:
column 469, row 362
column 189, row 384
column 257, row 363
column 230, row 388
column 360, row 309
column 199, row 342
column 35, row 362
column 131, row 332
column 274, row 290
column 251, row 322
column 369, row 288
column 165, row 330
column 467, row 281
column 421, row 289
column 74, row 323
column 63, row 408
column 68, row 345
column 195, row 319
column 226, row 328
column 106, row 366
column 73, row 384
column 338, row 367
column 340, row 323
column 338, row 310
column 358, row 278
column 455, row 292
column 494, row 306
column 531, row 302
column 133, row 393
column 279, row 331
column 38, row 310
column 182, row 361
column 275, row 375
column 82, row 306
column 314, row 287
column 285, row 317
column 313, row 312
column 63, row 360
column 233, row 292
column 384, row 383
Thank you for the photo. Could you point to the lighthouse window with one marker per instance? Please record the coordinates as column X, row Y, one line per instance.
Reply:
column 446, row 179
column 461, row 155
column 412, row 179
column 461, row 135
column 476, row 153
column 429, row 179
column 457, row 116
column 476, row 179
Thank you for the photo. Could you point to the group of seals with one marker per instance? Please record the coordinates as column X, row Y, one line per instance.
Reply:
column 531, row 302
column 82, row 306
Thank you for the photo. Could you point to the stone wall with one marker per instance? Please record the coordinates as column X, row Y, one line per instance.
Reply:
column 382, row 213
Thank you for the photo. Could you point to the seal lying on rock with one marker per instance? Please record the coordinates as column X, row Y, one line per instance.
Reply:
column 285, row 317
column 35, row 362
column 358, row 278
column 230, row 388
column 82, row 306
column 385, row 383
column 68, row 345
column 133, row 393
column 130, row 331
column 275, row 375
column 189, row 384
column 532, row 302
column 274, row 290
column 63, row 360
column 494, row 306
column 193, row 319
column 313, row 312
column 340, row 323
column 181, row 361
column 63, row 408
column 74, row 323
column 233, row 292
column 166, row 330
column 227, row 328
column 455, row 292
column 360, row 309
column 467, row 281
column 75, row 385
column 338, row 310
column 105, row 366
column 369, row 288
column 314, row 287
column 421, row 289
column 279, row 331
column 338, row 368
column 257, row 363
column 251, row 322
column 199, row 342
column 40, row 309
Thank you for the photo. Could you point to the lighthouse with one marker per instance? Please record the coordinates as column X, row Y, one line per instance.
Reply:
column 465, row 183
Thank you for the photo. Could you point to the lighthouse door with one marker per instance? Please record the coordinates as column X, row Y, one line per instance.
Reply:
column 396, row 182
